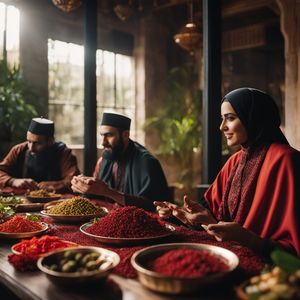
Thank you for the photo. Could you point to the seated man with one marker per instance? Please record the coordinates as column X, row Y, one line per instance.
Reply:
column 39, row 163
column 126, row 173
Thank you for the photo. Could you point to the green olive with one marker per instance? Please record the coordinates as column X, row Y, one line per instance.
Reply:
column 69, row 254
column 54, row 267
column 94, row 255
column 92, row 265
column 78, row 256
column 69, row 266
column 85, row 259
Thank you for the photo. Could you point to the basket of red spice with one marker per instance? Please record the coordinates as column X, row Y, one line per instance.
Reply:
column 182, row 268
column 128, row 225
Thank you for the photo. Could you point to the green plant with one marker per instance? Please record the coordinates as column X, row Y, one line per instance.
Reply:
column 15, row 112
column 179, row 121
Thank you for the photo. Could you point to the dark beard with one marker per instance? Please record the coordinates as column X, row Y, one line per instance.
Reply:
column 115, row 152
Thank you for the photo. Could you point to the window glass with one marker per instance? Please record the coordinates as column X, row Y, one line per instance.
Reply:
column 9, row 33
column 115, row 88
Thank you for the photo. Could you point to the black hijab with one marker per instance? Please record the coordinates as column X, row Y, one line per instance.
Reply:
column 259, row 114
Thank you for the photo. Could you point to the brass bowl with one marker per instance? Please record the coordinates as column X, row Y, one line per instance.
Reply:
column 23, row 235
column 38, row 199
column 176, row 285
column 72, row 278
column 127, row 241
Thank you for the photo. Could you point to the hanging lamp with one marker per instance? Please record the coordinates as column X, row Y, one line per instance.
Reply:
column 67, row 5
column 189, row 36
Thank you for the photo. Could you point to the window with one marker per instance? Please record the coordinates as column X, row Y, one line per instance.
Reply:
column 115, row 87
column 66, row 90
column 9, row 33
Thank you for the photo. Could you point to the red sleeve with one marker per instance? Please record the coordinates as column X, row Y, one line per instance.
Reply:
column 8, row 166
column 275, row 209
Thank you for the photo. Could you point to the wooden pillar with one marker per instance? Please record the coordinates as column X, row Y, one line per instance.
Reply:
column 211, row 90
column 90, row 100
column 289, row 23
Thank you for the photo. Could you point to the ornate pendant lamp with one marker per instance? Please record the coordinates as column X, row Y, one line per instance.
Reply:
column 67, row 5
column 124, row 11
column 189, row 36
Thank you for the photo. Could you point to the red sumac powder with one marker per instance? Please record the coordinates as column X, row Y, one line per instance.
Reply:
column 187, row 263
column 20, row 224
column 128, row 222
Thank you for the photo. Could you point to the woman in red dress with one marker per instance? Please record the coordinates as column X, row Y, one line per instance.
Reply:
column 255, row 198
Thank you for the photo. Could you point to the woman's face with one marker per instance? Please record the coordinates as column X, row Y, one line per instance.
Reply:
column 232, row 127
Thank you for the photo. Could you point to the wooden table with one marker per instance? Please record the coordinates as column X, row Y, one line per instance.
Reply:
column 36, row 286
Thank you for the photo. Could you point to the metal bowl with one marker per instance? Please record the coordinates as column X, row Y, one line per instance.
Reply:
column 72, row 278
column 127, row 241
column 39, row 199
column 22, row 235
column 74, row 218
column 175, row 285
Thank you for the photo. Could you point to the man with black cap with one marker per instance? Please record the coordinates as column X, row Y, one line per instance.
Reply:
column 126, row 173
column 40, row 162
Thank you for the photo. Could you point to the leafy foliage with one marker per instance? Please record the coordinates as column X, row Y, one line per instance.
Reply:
column 179, row 121
column 286, row 261
column 15, row 112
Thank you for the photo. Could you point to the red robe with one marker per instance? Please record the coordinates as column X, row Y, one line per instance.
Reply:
column 275, row 210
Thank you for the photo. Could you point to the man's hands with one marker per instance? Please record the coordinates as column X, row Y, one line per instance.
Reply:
column 23, row 183
column 89, row 185
column 51, row 185
column 30, row 184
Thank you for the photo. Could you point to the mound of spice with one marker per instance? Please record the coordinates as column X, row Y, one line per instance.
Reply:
column 44, row 244
column 75, row 206
column 128, row 222
column 188, row 263
column 20, row 224
column 41, row 194
column 23, row 262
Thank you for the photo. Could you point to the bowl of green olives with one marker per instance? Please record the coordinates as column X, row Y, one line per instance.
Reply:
column 78, row 264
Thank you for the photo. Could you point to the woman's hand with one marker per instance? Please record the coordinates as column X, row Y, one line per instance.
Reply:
column 231, row 231
column 193, row 213
column 164, row 209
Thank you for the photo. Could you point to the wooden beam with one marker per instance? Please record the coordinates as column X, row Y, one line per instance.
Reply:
column 90, row 102
column 211, row 145
column 242, row 6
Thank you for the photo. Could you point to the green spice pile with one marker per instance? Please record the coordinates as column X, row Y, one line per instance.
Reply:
column 75, row 206
column 11, row 200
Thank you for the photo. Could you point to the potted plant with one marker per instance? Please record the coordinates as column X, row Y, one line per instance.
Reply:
column 15, row 112
column 178, row 123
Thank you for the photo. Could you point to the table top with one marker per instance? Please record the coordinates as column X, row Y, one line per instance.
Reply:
column 36, row 286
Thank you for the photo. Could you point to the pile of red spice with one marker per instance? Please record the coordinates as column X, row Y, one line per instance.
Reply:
column 128, row 222
column 188, row 263
column 20, row 224
column 41, row 245
column 23, row 262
